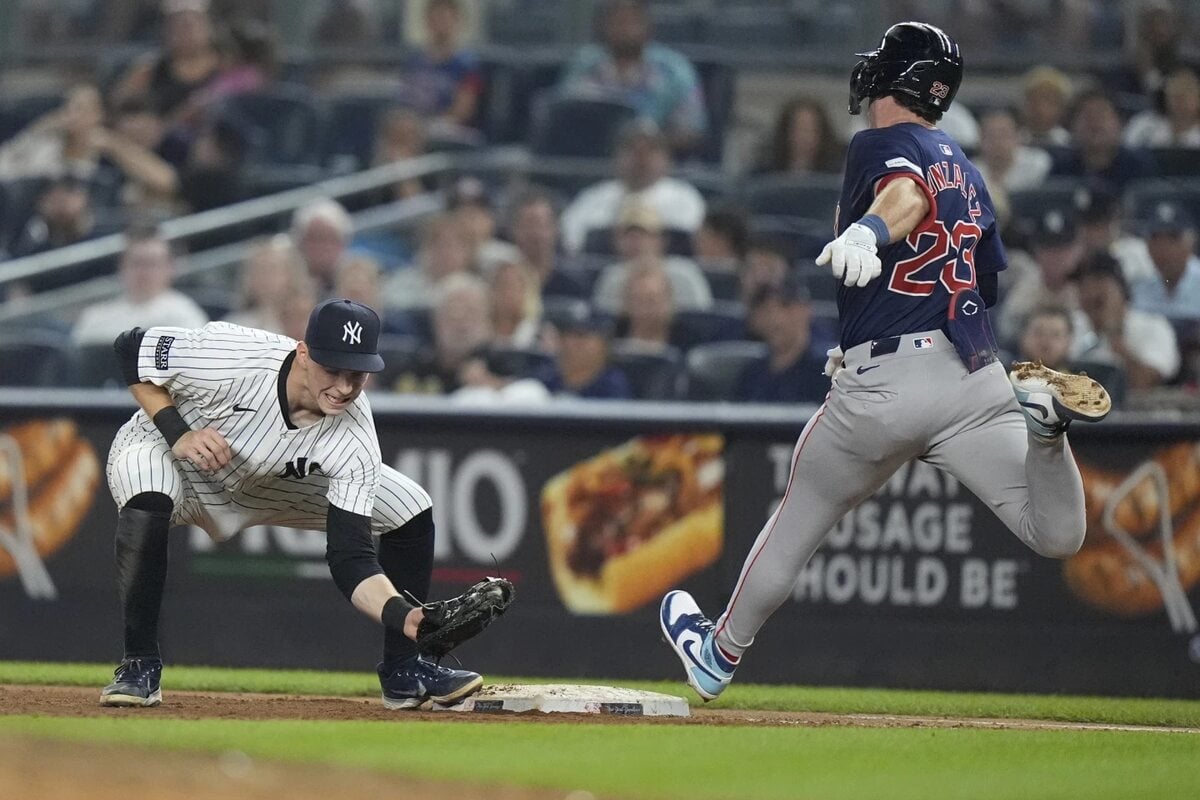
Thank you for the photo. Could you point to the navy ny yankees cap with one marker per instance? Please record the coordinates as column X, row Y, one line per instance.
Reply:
column 343, row 334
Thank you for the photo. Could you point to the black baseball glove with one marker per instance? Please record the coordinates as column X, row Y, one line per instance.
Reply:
column 449, row 623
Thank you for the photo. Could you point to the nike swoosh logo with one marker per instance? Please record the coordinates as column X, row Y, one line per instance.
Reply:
column 1037, row 408
column 687, row 648
column 861, row 370
column 242, row 408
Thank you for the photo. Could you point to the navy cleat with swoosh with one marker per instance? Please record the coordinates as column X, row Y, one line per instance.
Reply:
column 136, row 684
column 418, row 682
column 690, row 635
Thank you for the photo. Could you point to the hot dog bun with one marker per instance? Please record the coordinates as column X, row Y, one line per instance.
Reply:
column 655, row 549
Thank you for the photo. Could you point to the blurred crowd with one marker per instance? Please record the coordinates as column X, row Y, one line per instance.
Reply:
column 644, row 282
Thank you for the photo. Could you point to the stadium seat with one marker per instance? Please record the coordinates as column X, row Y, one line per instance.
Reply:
column 1177, row 161
column 768, row 27
column 801, row 238
column 348, row 136
column 400, row 353
column 521, row 23
column 719, row 83
column 1029, row 205
column 287, row 124
column 518, row 362
column 813, row 197
column 654, row 376
column 725, row 321
column 34, row 358
column 1140, row 197
column 18, row 113
column 724, row 285
column 677, row 23
column 511, row 82
column 578, row 127
column 713, row 369
column 96, row 366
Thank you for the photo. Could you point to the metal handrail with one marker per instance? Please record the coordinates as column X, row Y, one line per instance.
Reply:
column 225, row 216
column 104, row 287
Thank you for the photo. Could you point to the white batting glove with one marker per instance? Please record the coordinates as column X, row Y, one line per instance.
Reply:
column 853, row 256
column 834, row 361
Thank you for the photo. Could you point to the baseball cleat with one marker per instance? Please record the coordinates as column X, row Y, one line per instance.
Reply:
column 1051, row 400
column 418, row 683
column 135, row 684
column 690, row 635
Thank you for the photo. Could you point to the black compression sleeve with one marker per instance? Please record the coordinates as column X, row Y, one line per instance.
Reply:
column 126, row 346
column 989, row 288
column 349, row 550
column 170, row 424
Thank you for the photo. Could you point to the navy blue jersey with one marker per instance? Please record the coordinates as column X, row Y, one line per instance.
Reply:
column 956, row 242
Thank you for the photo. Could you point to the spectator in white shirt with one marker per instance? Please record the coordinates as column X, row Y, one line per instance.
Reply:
column 640, row 240
column 147, row 299
column 643, row 161
column 1003, row 160
column 1173, row 289
column 1109, row 331
column 1180, row 125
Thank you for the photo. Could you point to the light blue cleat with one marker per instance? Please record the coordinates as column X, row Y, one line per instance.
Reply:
column 690, row 635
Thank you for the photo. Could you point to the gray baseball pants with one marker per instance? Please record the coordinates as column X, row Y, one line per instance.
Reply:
column 917, row 402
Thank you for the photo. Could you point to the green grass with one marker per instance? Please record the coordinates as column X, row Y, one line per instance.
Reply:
column 697, row 762
column 1129, row 711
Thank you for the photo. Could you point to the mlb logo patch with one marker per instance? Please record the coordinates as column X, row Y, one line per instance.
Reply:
column 945, row 148
column 923, row 342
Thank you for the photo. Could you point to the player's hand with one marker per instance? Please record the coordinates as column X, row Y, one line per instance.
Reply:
column 833, row 361
column 853, row 256
column 206, row 448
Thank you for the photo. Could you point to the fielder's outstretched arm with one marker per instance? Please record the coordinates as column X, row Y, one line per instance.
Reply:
column 354, row 565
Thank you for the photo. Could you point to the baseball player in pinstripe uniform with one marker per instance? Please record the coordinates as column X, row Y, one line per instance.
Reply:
column 240, row 427
column 917, row 254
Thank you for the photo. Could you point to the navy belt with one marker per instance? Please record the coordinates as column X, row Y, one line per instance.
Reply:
column 885, row 347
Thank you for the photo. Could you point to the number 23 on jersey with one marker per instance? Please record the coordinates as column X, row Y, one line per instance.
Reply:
column 952, row 250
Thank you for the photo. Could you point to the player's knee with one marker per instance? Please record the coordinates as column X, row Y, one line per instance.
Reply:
column 1064, row 544
column 417, row 532
column 152, row 502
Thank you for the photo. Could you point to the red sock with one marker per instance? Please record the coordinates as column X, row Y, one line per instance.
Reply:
column 730, row 657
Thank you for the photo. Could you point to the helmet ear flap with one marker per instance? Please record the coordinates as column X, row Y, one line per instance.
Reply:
column 861, row 81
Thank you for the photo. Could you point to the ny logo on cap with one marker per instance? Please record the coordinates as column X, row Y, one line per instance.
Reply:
column 352, row 332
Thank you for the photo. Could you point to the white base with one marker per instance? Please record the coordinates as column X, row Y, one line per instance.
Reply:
column 571, row 699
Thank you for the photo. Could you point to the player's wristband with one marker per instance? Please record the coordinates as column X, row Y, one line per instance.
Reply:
column 395, row 612
column 876, row 225
column 170, row 424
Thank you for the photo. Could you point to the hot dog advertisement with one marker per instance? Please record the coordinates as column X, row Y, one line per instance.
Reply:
column 48, row 479
column 632, row 522
column 1142, row 551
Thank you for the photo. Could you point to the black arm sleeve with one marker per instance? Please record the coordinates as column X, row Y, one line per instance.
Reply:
column 349, row 549
column 989, row 288
column 126, row 346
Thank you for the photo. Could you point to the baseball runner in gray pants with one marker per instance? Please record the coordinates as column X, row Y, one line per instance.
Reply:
column 919, row 378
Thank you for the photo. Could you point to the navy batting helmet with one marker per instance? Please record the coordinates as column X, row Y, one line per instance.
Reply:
column 915, row 60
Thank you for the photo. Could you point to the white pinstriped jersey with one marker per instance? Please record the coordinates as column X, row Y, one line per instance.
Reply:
column 233, row 379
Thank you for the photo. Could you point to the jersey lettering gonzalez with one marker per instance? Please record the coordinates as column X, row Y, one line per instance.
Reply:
column 955, row 243
column 233, row 379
